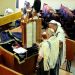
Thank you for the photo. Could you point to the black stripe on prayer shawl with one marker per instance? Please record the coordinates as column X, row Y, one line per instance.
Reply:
column 49, row 44
column 57, row 34
column 50, row 50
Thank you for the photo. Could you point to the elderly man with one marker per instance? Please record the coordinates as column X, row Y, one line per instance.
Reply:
column 60, row 34
column 46, row 57
column 53, row 42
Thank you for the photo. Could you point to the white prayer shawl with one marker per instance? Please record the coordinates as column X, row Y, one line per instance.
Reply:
column 61, row 36
column 44, row 52
column 54, row 51
column 50, row 55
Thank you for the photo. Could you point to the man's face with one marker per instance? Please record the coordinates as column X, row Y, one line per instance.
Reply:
column 49, row 34
column 51, row 25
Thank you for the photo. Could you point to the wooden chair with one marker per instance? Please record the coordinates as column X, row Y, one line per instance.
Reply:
column 70, row 52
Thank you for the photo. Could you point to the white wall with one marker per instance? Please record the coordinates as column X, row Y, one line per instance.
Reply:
column 56, row 3
column 21, row 2
column 4, row 4
column 53, row 3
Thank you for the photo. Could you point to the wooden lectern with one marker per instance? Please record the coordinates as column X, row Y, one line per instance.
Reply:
column 31, row 33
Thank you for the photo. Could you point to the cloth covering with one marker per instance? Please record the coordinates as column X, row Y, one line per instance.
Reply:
column 7, row 37
column 53, row 52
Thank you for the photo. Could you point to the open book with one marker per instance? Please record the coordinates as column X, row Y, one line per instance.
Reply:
column 19, row 50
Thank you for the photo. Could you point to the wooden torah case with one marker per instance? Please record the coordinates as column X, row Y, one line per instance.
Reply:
column 31, row 31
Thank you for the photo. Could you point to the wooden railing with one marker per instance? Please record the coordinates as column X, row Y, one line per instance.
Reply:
column 7, row 71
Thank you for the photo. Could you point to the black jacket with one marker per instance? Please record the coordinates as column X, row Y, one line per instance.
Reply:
column 37, row 5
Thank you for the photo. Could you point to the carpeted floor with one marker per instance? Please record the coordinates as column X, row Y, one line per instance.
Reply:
column 72, row 70
column 73, row 67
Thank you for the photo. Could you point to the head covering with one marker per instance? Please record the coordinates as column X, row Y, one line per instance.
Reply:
column 55, row 22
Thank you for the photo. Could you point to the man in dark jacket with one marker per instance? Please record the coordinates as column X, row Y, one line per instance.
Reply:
column 37, row 5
